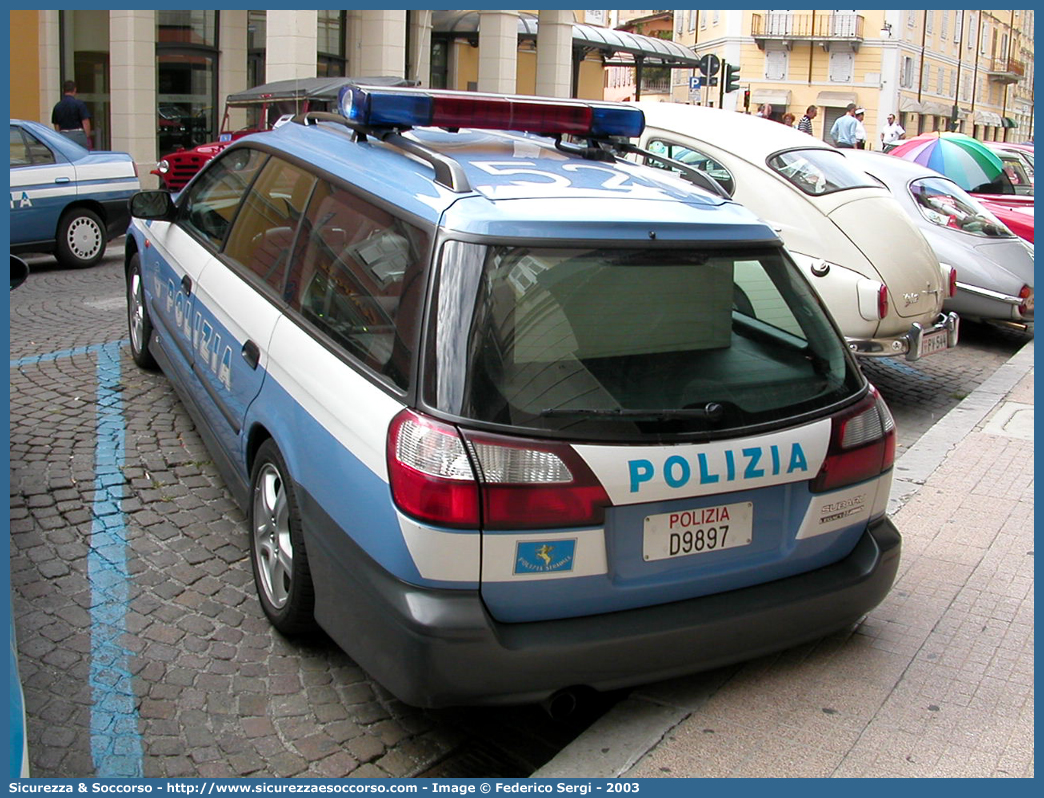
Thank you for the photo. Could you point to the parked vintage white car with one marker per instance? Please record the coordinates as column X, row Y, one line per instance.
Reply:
column 866, row 258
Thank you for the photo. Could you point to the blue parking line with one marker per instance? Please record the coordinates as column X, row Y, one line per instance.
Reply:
column 901, row 366
column 116, row 745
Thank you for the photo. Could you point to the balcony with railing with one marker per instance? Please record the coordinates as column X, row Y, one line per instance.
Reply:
column 825, row 28
column 1005, row 70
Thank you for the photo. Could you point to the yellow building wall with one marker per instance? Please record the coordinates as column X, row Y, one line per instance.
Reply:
column 525, row 72
column 25, row 65
column 467, row 65
column 591, row 83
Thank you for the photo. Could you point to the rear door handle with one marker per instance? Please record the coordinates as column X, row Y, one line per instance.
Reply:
column 186, row 285
column 251, row 354
column 61, row 180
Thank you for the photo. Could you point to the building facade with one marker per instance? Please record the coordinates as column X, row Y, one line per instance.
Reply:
column 156, row 80
column 968, row 70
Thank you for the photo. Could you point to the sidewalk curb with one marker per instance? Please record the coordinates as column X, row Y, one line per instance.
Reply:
column 621, row 737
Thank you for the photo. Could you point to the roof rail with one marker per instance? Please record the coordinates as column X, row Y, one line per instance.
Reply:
column 448, row 172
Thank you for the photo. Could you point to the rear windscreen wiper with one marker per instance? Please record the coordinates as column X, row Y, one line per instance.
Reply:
column 712, row 411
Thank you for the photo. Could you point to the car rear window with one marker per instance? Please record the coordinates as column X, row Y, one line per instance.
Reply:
column 629, row 343
column 946, row 204
column 817, row 171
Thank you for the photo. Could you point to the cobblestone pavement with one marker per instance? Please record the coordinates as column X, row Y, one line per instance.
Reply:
column 180, row 674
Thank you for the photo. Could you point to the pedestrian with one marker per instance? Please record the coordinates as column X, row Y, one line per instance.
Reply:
column 764, row 111
column 805, row 125
column 788, row 119
column 891, row 133
column 71, row 116
column 843, row 131
column 860, row 138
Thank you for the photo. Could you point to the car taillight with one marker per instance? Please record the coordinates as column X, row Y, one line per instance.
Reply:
column 953, row 282
column 430, row 473
column 507, row 483
column 882, row 301
column 1026, row 305
column 862, row 445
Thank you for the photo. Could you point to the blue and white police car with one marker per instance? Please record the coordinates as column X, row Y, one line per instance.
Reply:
column 66, row 199
column 510, row 416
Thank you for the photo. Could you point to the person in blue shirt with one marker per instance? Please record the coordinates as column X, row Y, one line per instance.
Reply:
column 71, row 117
column 845, row 127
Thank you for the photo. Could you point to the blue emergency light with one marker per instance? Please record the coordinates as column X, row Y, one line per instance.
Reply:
column 403, row 108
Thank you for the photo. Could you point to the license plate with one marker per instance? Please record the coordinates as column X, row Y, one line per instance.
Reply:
column 690, row 532
column 933, row 342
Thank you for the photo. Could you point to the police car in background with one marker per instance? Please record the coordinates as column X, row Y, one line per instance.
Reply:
column 66, row 199
column 510, row 416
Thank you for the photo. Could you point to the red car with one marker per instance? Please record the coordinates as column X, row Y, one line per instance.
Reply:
column 271, row 102
column 1014, row 210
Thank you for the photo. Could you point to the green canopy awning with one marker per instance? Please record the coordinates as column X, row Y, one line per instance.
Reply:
column 1007, row 121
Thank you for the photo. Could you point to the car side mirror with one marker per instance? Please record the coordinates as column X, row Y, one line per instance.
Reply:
column 152, row 205
column 19, row 271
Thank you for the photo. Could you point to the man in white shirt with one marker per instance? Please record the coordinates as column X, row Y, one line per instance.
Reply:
column 892, row 132
column 860, row 136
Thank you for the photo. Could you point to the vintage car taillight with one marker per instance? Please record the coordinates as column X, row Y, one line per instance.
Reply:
column 1026, row 306
column 882, row 301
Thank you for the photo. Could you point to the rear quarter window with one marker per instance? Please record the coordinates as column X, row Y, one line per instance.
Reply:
column 358, row 279
column 27, row 150
column 694, row 158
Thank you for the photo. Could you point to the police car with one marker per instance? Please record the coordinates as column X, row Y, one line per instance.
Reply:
column 510, row 416
column 64, row 198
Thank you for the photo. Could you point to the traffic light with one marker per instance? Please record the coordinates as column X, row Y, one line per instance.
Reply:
column 746, row 99
column 732, row 77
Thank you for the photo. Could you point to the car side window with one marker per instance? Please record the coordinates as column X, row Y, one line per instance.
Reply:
column 694, row 158
column 263, row 231
column 358, row 279
column 27, row 150
column 211, row 201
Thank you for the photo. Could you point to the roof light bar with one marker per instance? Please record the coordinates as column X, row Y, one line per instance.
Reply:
column 401, row 108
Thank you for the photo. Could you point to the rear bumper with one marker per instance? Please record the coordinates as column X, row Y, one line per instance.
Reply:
column 911, row 343
column 117, row 217
column 441, row 648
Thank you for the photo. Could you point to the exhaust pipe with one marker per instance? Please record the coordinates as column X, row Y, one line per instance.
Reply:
column 562, row 704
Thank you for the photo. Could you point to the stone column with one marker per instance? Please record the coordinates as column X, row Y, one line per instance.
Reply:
column 381, row 44
column 132, row 74
column 498, row 51
column 420, row 58
column 232, row 72
column 50, row 65
column 291, row 45
column 554, row 71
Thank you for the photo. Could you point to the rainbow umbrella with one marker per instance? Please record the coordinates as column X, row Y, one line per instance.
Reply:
column 966, row 161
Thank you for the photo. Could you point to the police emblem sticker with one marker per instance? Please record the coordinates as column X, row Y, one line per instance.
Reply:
column 545, row 556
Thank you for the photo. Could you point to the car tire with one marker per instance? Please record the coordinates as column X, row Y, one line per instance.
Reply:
column 277, row 551
column 139, row 324
column 81, row 238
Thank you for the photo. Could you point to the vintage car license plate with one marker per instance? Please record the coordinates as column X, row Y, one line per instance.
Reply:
column 933, row 342
column 706, row 529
